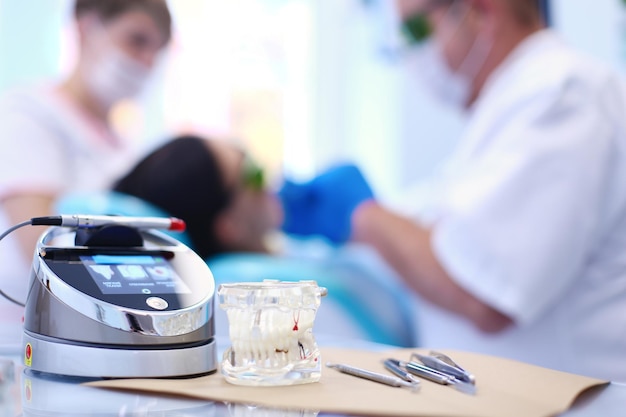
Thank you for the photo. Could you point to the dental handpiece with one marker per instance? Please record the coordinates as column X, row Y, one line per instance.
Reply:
column 92, row 221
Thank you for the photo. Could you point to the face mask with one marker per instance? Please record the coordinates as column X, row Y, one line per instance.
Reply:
column 429, row 65
column 453, row 88
column 117, row 76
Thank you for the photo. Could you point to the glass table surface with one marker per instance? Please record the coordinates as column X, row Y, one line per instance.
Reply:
column 26, row 393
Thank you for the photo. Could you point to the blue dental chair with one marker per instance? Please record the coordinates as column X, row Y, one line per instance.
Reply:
column 364, row 301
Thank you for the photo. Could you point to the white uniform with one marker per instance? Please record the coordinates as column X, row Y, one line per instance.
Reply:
column 47, row 146
column 530, row 214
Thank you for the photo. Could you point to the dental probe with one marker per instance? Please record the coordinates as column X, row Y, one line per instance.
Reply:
column 437, row 376
column 394, row 367
column 372, row 376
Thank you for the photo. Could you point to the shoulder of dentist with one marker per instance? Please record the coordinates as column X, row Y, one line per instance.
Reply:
column 524, row 252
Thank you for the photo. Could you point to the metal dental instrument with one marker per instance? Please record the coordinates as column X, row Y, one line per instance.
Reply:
column 372, row 376
column 449, row 361
column 445, row 364
column 394, row 367
column 436, row 376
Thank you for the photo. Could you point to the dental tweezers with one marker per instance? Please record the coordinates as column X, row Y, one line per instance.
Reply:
column 445, row 364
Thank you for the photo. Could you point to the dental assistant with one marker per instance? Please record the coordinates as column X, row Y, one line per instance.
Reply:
column 520, row 251
column 57, row 138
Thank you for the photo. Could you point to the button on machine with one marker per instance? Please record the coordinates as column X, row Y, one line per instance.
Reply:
column 157, row 303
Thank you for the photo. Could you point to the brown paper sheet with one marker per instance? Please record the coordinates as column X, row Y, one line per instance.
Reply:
column 504, row 388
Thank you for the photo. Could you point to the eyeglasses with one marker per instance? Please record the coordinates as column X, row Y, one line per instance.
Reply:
column 253, row 176
column 417, row 28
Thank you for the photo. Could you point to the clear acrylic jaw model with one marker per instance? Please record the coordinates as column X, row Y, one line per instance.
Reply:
column 271, row 332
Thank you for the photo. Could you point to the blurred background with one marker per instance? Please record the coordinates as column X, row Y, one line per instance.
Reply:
column 301, row 83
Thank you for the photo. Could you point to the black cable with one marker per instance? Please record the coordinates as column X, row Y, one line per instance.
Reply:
column 11, row 299
column 14, row 228
column 2, row 236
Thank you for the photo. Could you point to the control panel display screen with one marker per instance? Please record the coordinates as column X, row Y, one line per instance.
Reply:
column 134, row 274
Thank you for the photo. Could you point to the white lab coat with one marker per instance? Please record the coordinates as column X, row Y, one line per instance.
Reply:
column 48, row 146
column 530, row 214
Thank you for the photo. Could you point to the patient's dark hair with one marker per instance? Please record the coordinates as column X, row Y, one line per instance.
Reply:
column 183, row 178
column 110, row 9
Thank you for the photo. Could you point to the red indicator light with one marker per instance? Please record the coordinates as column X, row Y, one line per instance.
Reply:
column 177, row 225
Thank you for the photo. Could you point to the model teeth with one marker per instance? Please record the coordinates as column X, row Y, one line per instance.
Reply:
column 270, row 337
column 271, row 332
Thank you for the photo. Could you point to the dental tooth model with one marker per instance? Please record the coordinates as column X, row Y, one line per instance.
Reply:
column 271, row 332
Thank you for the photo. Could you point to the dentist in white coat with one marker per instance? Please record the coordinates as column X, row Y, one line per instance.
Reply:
column 522, row 253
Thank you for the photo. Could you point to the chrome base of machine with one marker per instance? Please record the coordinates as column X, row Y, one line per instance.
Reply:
column 115, row 307
column 63, row 358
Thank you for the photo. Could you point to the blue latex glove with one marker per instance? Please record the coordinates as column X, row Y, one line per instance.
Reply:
column 324, row 205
